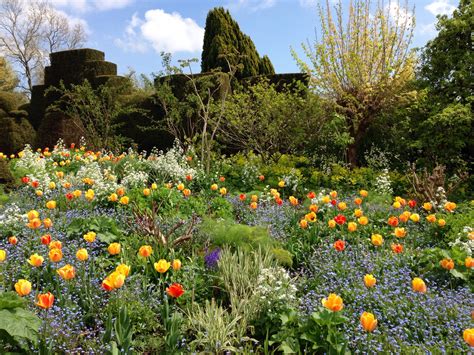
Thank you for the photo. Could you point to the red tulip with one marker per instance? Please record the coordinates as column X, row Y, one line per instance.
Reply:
column 175, row 290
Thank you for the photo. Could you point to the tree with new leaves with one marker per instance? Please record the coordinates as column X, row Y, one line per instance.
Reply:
column 30, row 30
column 362, row 62
column 447, row 61
column 223, row 37
column 8, row 79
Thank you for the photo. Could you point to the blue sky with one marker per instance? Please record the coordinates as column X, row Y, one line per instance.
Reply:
column 132, row 33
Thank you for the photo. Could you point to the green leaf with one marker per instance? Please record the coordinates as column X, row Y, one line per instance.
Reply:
column 106, row 237
column 458, row 274
column 21, row 323
column 9, row 300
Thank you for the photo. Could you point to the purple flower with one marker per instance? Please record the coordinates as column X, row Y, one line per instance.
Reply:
column 212, row 258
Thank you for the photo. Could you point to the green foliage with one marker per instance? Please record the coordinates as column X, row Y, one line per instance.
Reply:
column 106, row 228
column 98, row 110
column 16, row 323
column 121, row 331
column 10, row 101
column 227, row 232
column 256, row 119
column 223, row 40
column 447, row 61
column 6, row 177
column 15, row 133
column 317, row 334
column 283, row 257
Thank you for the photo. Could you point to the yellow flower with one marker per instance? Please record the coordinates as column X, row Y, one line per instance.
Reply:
column 331, row 223
column 36, row 260
column 39, row 193
column 90, row 236
column 450, row 206
column 52, row 185
column 154, row 186
column 363, row 221
column 427, row 206
column 32, row 214
column 441, row 222
column 333, row 302
column 51, row 205
column 400, row 232
column 146, row 192
column 113, row 197
column 468, row 336
column 369, row 280
column 415, row 217
column 351, row 226
column 333, row 194
column 180, row 187
column 341, row 206
column 67, row 272
column 326, row 199
column 124, row 200
column 377, row 240
column 123, row 269
column 304, row 224
column 77, row 193
column 3, row 255
column 114, row 249
column 90, row 195
column 223, row 191
column 281, row 183
column 82, row 254
column 214, row 187
column 418, row 285
column 162, row 266
column 364, row 193
column 431, row 218
column 23, row 287
column 397, row 204
column 368, row 321
column 358, row 213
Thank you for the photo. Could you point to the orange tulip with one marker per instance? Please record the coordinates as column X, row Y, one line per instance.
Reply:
column 146, row 192
column 364, row 193
column 351, row 226
column 36, row 260
column 253, row 205
column 447, row 264
column 176, row 264
column 45, row 300
column 441, row 222
column 431, row 218
column 331, row 223
column 333, row 303
column 55, row 255
column 114, row 248
column 214, row 187
column 13, row 240
column 339, row 245
column 34, row 223
column 397, row 248
column 368, row 321
column 393, row 221
column 55, row 244
column 418, row 285
column 124, row 200
column 186, row 192
column 145, row 251
column 46, row 239
column 51, row 205
column 468, row 336
column 123, row 269
column 303, row 223
column 363, row 221
column 469, row 262
column 67, row 272
column 400, row 232
column 450, row 206
column 47, row 223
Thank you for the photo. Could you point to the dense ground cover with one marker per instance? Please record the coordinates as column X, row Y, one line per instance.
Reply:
column 146, row 253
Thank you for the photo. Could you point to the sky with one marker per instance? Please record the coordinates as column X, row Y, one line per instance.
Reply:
column 133, row 33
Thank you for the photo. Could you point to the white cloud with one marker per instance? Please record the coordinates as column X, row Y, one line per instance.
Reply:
column 428, row 29
column 91, row 5
column 440, row 7
column 399, row 14
column 168, row 32
column 252, row 5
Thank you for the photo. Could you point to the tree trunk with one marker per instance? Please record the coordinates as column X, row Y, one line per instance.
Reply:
column 352, row 154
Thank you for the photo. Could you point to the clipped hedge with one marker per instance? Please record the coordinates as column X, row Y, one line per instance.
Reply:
column 58, row 125
column 6, row 177
column 15, row 133
column 75, row 56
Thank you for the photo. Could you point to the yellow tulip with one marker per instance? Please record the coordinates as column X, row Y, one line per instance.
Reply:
column 162, row 266
column 368, row 321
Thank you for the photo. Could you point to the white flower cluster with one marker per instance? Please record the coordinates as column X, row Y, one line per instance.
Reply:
column 104, row 183
column 170, row 166
column 30, row 161
column 133, row 178
column 383, row 184
column 465, row 241
column 291, row 180
column 441, row 198
column 11, row 219
column 249, row 175
column 275, row 288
